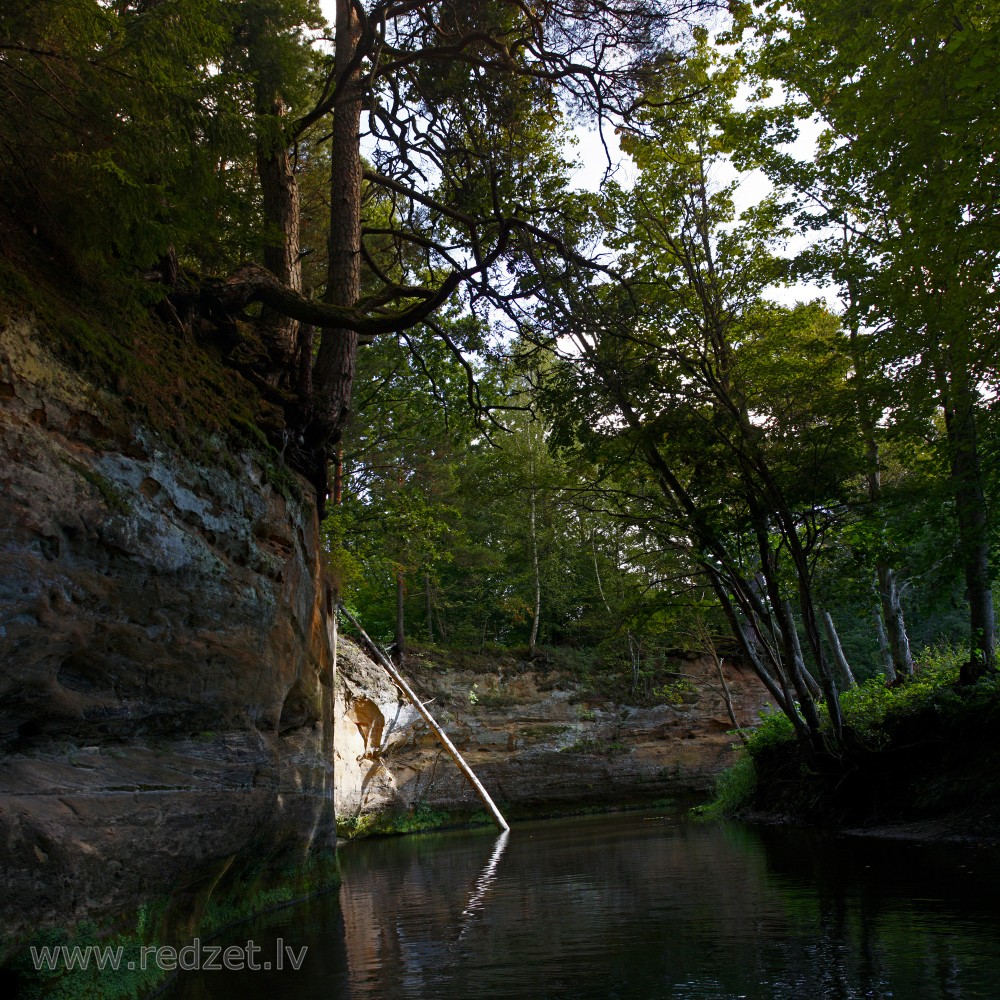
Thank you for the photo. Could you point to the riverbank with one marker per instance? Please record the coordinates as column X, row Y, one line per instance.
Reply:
column 919, row 762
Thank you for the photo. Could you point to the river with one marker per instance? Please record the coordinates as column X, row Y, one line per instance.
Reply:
column 636, row 906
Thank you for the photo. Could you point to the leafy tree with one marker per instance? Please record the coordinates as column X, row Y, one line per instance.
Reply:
column 738, row 408
column 463, row 106
column 906, row 172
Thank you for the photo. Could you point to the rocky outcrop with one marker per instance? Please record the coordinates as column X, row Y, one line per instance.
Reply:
column 165, row 677
column 534, row 735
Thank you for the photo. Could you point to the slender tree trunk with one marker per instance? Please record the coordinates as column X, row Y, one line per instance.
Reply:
column 814, row 689
column 702, row 633
column 338, row 474
column 635, row 655
column 970, row 508
column 429, row 606
column 421, row 707
column 838, row 650
column 537, row 613
column 400, row 619
column 891, row 676
column 333, row 374
column 307, row 338
column 727, row 696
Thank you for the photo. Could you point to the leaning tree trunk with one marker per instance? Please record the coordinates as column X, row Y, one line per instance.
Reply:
column 793, row 635
column 333, row 373
column 838, row 650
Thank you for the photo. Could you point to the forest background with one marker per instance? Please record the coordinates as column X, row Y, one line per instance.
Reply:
column 546, row 417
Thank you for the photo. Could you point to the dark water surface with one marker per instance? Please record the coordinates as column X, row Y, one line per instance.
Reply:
column 635, row 906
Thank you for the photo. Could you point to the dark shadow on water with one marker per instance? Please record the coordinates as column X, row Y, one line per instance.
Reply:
column 639, row 907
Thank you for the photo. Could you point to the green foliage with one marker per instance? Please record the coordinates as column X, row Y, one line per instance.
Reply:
column 675, row 692
column 874, row 710
column 140, row 137
column 896, row 198
column 733, row 792
column 773, row 730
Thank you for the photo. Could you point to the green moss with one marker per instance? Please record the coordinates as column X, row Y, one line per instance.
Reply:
column 421, row 817
column 284, row 481
column 145, row 371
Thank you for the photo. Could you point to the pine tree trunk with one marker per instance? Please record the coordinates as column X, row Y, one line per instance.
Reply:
column 536, row 616
column 400, row 618
column 429, row 607
column 280, row 205
column 333, row 374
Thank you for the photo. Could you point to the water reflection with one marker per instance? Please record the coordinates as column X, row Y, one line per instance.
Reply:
column 640, row 907
column 483, row 883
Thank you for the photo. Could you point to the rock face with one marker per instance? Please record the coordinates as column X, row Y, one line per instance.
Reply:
column 165, row 677
column 533, row 736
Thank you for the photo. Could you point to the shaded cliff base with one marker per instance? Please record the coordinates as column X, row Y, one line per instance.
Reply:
column 543, row 742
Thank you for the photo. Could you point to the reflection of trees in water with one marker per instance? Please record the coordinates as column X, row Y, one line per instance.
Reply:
column 879, row 920
column 639, row 908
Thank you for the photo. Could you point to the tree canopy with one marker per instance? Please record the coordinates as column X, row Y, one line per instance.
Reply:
column 557, row 415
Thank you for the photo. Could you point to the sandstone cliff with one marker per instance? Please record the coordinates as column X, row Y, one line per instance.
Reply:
column 534, row 735
column 166, row 686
